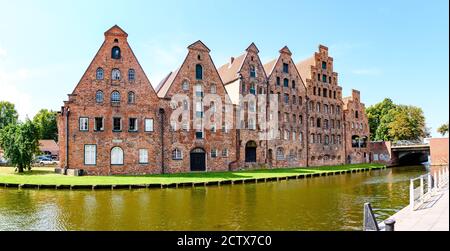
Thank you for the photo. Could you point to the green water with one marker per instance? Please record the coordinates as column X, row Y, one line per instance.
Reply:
column 322, row 203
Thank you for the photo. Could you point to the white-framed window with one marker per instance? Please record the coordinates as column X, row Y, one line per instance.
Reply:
column 99, row 74
column 213, row 89
column 213, row 153
column 280, row 153
column 84, row 124
column 116, row 156
column 294, row 135
column 225, row 152
column 115, row 97
column 115, row 74
column 185, row 125
column 117, row 124
column 286, row 135
column 99, row 124
column 198, row 90
column 251, row 124
column 133, row 124
column 143, row 156
column 90, row 155
column 148, row 125
column 185, row 85
column 131, row 75
column 300, row 137
column 131, row 98
column 99, row 97
column 177, row 154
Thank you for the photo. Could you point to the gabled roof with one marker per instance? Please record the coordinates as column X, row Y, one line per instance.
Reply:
column 116, row 31
column 230, row 71
column 166, row 83
column 199, row 45
column 304, row 67
column 253, row 48
column 286, row 50
column 48, row 146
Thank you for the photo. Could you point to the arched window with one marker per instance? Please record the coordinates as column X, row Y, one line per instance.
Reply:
column 198, row 72
column 115, row 97
column 356, row 114
column 252, row 89
column 311, row 122
column 285, row 82
column 99, row 74
column 131, row 75
column 280, row 153
column 293, row 84
column 327, row 140
column 311, row 139
column 300, row 100
column 131, row 98
column 318, row 107
column 252, row 71
column 213, row 89
column 252, row 106
column 115, row 74
column 318, row 122
column 99, row 97
column 278, row 81
column 177, row 154
column 116, row 156
column 185, row 85
column 115, row 52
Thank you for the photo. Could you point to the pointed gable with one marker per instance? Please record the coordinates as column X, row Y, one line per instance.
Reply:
column 268, row 67
column 286, row 50
column 252, row 48
column 199, row 46
column 103, row 60
column 116, row 31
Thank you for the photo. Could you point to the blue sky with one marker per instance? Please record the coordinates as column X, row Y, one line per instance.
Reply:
column 396, row 49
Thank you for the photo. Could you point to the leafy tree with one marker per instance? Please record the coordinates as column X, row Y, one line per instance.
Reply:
column 378, row 121
column 443, row 129
column 20, row 143
column 406, row 123
column 45, row 121
column 8, row 114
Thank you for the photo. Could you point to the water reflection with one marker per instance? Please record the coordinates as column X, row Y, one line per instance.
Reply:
column 323, row 203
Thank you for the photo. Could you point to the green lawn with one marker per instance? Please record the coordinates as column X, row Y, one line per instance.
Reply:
column 46, row 176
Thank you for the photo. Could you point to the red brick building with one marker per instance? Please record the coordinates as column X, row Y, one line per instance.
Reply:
column 439, row 151
column 201, row 118
column 324, row 114
column 356, row 130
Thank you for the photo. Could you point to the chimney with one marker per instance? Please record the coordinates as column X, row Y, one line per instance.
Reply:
column 231, row 60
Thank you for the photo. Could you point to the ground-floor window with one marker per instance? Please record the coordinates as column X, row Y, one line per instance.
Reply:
column 280, row 153
column 213, row 153
column 90, row 154
column 117, row 156
column 143, row 156
column 177, row 154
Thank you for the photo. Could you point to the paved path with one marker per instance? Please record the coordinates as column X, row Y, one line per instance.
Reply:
column 433, row 215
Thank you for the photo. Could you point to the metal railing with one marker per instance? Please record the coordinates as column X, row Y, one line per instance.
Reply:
column 428, row 185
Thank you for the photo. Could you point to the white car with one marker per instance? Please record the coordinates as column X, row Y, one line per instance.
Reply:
column 47, row 161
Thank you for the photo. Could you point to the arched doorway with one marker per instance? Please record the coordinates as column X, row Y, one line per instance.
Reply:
column 250, row 152
column 198, row 160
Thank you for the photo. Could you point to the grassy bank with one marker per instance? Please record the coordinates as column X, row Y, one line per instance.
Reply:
column 46, row 176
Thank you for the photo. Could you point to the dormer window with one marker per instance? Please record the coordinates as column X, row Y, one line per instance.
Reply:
column 99, row 74
column 199, row 72
column 131, row 75
column 115, row 52
column 252, row 71
column 115, row 74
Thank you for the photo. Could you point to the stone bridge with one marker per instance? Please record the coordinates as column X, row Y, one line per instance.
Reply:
column 409, row 152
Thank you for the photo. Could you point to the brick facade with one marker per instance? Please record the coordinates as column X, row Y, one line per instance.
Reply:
column 146, row 130
column 439, row 151
column 356, row 125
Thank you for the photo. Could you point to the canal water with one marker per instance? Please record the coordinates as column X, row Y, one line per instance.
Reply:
column 321, row 203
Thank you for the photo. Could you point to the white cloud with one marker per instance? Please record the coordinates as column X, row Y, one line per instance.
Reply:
column 367, row 72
